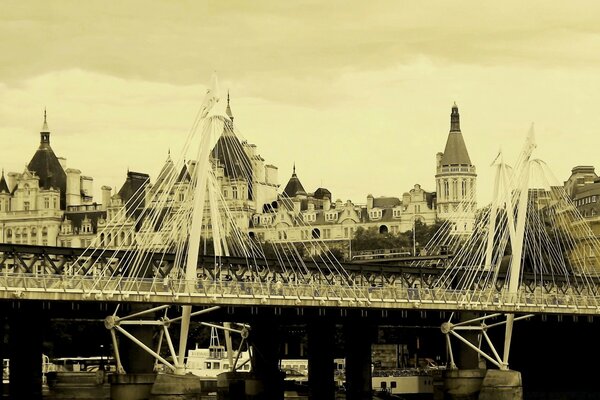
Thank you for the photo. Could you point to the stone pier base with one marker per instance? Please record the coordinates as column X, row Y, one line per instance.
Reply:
column 131, row 386
column 176, row 387
column 77, row 386
column 462, row 384
column 501, row 385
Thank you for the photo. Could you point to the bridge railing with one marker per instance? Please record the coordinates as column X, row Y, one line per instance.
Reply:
column 204, row 291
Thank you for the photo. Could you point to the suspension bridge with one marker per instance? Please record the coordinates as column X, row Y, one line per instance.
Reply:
column 530, row 251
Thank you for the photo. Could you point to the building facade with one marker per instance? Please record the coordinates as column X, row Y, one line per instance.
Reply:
column 34, row 203
column 50, row 204
column 301, row 216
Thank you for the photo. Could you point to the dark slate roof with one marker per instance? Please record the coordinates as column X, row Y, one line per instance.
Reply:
column 166, row 173
column 455, row 152
column 386, row 202
column 232, row 157
column 132, row 191
column 3, row 185
column 294, row 187
column 230, row 154
column 46, row 166
column 184, row 174
column 322, row 193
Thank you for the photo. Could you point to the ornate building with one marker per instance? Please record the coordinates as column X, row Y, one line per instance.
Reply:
column 34, row 202
column 50, row 204
column 456, row 180
column 300, row 216
column 583, row 187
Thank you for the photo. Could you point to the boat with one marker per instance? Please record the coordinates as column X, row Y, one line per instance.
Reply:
column 214, row 360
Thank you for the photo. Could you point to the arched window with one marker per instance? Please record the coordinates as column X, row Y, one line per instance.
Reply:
column 44, row 231
column 9, row 233
column 234, row 192
column 102, row 239
column 383, row 229
column 316, row 233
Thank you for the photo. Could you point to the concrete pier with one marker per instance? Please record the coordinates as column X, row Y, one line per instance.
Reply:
column 501, row 385
column 25, row 343
column 321, row 385
column 131, row 386
column 462, row 384
column 265, row 337
column 176, row 387
column 359, row 337
column 77, row 386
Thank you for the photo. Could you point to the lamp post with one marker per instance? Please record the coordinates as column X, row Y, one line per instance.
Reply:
column 414, row 242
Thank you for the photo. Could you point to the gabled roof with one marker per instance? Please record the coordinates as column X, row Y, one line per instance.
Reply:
column 455, row 152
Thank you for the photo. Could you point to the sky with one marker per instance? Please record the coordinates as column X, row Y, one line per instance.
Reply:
column 357, row 94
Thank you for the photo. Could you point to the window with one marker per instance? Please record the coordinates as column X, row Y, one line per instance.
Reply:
column 234, row 192
column 181, row 196
column 46, row 202
column 26, row 205
column 54, row 203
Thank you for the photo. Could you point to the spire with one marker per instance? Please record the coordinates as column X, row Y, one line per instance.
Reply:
column 455, row 152
column 294, row 187
column 228, row 109
column 454, row 119
column 3, row 184
column 45, row 132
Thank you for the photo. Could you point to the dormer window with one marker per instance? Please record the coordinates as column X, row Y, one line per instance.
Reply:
column 375, row 214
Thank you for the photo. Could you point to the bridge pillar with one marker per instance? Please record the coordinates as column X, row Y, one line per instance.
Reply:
column 466, row 358
column 358, row 336
column 139, row 376
column 321, row 385
column 25, row 343
column 265, row 338
column 465, row 382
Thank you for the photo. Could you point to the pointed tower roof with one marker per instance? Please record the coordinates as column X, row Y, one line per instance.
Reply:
column 166, row 172
column 294, row 186
column 228, row 109
column 46, row 166
column 455, row 152
column 3, row 184
column 184, row 174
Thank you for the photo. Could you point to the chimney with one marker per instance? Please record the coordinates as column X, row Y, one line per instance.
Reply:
column 326, row 204
column 369, row 202
column 73, row 187
column 105, row 197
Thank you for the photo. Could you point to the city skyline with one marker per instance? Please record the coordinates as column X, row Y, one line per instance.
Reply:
column 358, row 96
